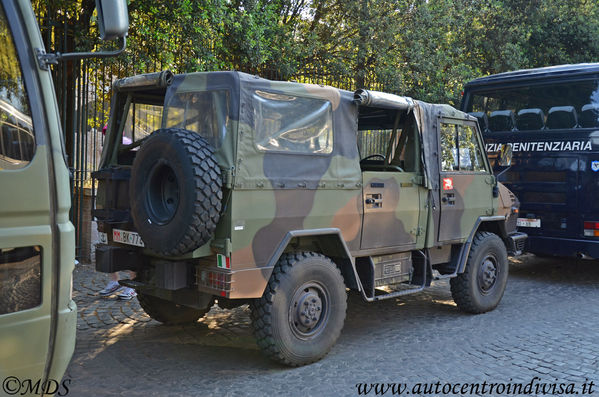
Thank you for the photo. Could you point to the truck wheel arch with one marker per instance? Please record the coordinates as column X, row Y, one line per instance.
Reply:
column 493, row 224
column 328, row 242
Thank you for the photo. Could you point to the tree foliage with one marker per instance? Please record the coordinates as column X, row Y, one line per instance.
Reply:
column 426, row 49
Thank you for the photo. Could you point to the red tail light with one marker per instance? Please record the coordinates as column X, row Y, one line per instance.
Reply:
column 591, row 229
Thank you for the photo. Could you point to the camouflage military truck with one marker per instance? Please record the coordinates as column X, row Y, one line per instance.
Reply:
column 227, row 186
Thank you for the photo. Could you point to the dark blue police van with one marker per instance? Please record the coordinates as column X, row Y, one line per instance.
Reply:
column 550, row 118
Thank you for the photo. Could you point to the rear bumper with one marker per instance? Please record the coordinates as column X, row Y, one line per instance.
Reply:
column 562, row 246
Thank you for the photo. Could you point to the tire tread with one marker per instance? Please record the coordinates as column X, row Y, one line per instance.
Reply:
column 460, row 290
column 261, row 308
column 208, row 191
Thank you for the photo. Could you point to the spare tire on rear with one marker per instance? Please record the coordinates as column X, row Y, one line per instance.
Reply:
column 175, row 191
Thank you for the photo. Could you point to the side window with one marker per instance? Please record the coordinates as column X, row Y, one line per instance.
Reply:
column 20, row 283
column 470, row 155
column 17, row 141
column 407, row 152
column 449, row 147
column 460, row 149
column 288, row 123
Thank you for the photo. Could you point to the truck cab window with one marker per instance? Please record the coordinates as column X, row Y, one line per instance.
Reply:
column 460, row 149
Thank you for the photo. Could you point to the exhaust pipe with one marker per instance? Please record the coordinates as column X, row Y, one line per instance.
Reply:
column 581, row 255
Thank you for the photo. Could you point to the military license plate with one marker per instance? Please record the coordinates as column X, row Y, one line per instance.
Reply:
column 528, row 222
column 127, row 237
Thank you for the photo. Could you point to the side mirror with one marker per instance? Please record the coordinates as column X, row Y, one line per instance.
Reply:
column 505, row 156
column 113, row 18
column 113, row 22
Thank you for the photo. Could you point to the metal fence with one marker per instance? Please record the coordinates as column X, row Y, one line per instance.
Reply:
column 84, row 90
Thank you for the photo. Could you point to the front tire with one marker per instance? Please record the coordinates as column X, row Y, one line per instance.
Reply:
column 480, row 288
column 169, row 313
column 302, row 311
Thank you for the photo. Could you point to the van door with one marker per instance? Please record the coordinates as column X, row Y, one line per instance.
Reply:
column 26, row 217
column 466, row 182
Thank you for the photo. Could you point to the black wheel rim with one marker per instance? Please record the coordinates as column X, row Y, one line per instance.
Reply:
column 488, row 273
column 309, row 310
column 162, row 197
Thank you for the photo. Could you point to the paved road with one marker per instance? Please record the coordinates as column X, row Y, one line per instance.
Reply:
column 547, row 326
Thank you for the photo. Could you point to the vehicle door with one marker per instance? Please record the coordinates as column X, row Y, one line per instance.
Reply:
column 26, row 197
column 466, row 182
column 392, row 189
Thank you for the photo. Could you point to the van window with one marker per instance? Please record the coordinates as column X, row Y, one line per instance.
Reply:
column 17, row 141
column 20, row 279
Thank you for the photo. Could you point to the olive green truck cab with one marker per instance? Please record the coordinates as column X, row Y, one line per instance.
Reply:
column 227, row 186
column 37, row 245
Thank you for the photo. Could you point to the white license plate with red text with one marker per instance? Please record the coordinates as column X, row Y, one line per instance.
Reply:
column 127, row 237
column 528, row 222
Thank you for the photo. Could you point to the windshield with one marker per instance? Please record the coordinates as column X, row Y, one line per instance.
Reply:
column 555, row 105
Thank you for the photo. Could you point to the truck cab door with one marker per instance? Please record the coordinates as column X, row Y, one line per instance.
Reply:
column 29, row 251
column 391, row 202
column 465, row 179
column 393, row 194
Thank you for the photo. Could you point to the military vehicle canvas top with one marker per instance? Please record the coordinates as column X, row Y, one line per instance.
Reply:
column 283, row 195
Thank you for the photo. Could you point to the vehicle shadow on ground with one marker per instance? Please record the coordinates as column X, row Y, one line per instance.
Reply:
column 555, row 270
column 223, row 340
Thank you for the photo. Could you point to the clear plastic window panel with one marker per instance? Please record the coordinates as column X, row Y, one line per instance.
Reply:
column 142, row 120
column 286, row 123
column 206, row 113
column 449, row 152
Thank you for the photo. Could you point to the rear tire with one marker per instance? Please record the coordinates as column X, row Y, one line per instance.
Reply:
column 302, row 311
column 168, row 312
column 480, row 288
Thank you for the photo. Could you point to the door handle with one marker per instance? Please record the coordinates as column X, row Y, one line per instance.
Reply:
column 375, row 200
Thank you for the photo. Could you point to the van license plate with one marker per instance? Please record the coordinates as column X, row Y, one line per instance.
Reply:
column 528, row 222
column 126, row 237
